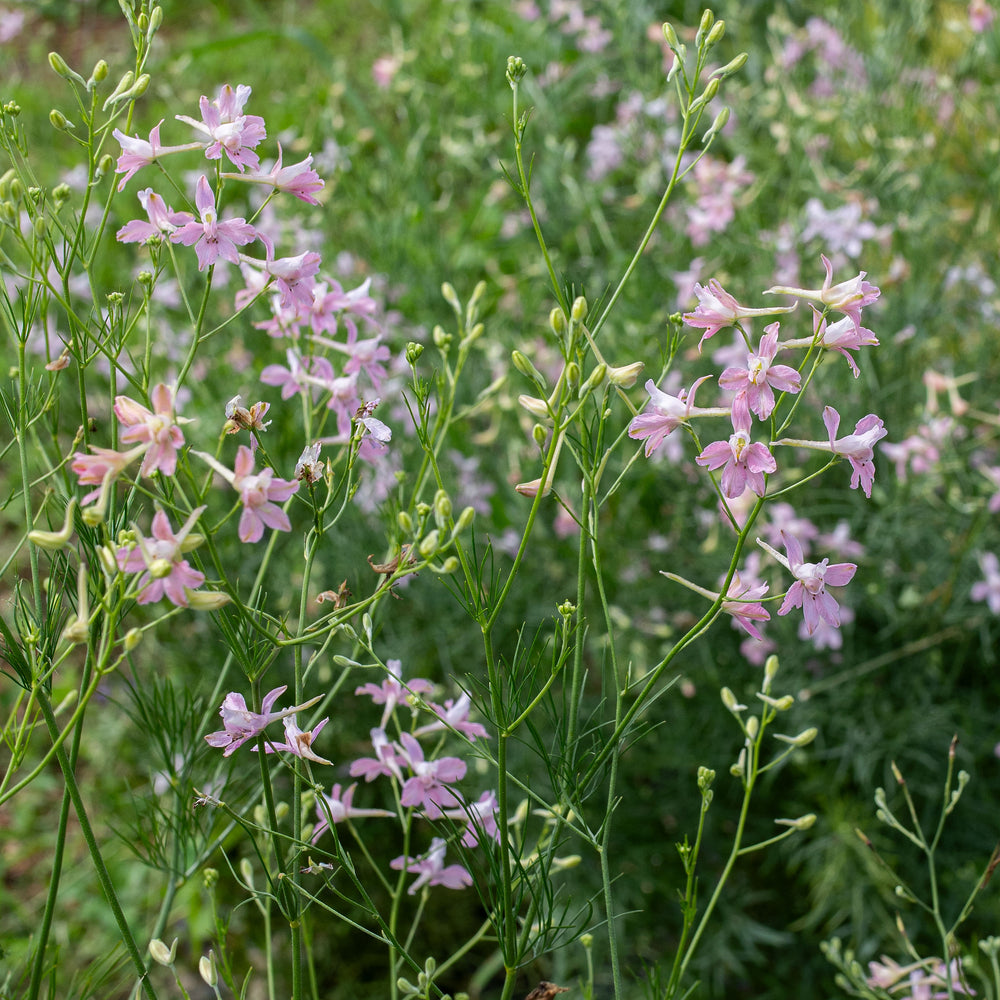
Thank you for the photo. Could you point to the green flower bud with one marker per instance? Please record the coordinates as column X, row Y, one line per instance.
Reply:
column 206, row 600
column 442, row 507
column 717, row 125
column 429, row 545
column 516, row 69
column 155, row 21
column 124, row 86
column 16, row 189
column 207, row 970
column 209, row 877
column 731, row 67
column 132, row 639
column 60, row 66
column 61, row 193
column 442, row 340
column 803, row 739
column 579, row 311
column 160, row 953
column 405, row 522
column 525, row 367
column 718, row 30
column 753, row 727
column 449, row 566
column 451, row 297
column 670, row 35
column 105, row 163
column 140, row 86
column 557, row 320
column 464, row 520
column 413, row 352
column 802, row 823
column 58, row 120
column 705, row 25
column 573, row 374
column 100, row 73
column 595, row 378
column 539, row 433
column 142, row 22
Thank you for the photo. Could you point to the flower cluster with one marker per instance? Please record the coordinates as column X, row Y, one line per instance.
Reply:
column 755, row 387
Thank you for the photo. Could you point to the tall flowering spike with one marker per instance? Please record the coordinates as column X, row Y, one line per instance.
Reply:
column 761, row 377
column 848, row 297
column 811, row 579
column 165, row 573
column 665, row 413
column 745, row 462
column 718, row 309
column 211, row 237
column 157, row 428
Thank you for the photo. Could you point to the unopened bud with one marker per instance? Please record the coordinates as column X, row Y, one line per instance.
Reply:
column 464, row 520
column 579, row 311
column 405, row 522
column 557, row 320
column 451, row 297
column 539, row 434
column 449, row 566
column 670, row 35
column 209, row 877
column 718, row 30
column 516, row 69
column 717, row 125
column 442, row 507
column 206, row 600
column 705, row 777
column 140, row 86
column 535, row 406
column 155, row 20
column 58, row 120
column 781, row 704
column 729, row 700
column 105, row 163
column 704, row 27
column 53, row 540
column 413, row 352
column 61, row 193
column 142, row 21
column 739, row 769
column 441, row 338
column 281, row 810
column 802, row 823
column 595, row 378
column 570, row 861
column 207, row 970
column 803, row 739
column 525, row 367
column 124, row 86
column 753, row 727
column 132, row 639
column 100, row 72
column 770, row 670
column 60, row 66
column 160, row 953
column 731, row 67
column 626, row 375
column 573, row 374
column 474, row 334
column 428, row 546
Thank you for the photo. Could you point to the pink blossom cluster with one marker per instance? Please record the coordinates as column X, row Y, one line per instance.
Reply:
column 425, row 785
column 755, row 383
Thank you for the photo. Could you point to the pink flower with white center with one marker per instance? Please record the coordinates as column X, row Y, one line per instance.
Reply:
column 385, row 762
column 157, row 428
column 665, row 413
column 858, row 448
column 394, row 690
column 339, row 806
column 211, row 237
column 848, row 297
column 745, row 462
column 240, row 724
column 293, row 278
column 811, row 579
column 718, row 309
column 454, row 715
column 480, row 818
column 760, row 377
column 228, row 130
column 138, row 153
column 988, row 589
column 298, row 742
column 427, row 788
column 163, row 220
column 257, row 491
column 298, row 179
column 432, row 870
column 164, row 572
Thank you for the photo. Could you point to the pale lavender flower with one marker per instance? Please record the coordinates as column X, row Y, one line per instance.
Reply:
column 665, row 413
column 453, row 715
column 761, row 377
column 480, row 819
column 227, row 129
column 138, row 153
column 988, row 589
column 240, row 724
column 428, row 789
column 432, row 870
column 718, row 309
column 158, row 429
column 164, row 572
column 337, row 807
column 163, row 220
column 386, row 761
column 213, row 238
column 298, row 742
column 743, row 462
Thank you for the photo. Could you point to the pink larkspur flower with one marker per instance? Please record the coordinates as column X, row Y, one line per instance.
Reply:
column 988, row 589
column 298, row 179
column 228, row 130
column 427, row 788
column 103, row 466
column 480, row 819
column 138, row 153
column 339, row 806
column 163, row 220
column 454, row 715
column 157, row 428
column 394, row 690
column 718, row 309
column 386, row 761
column 743, row 462
column 760, row 377
column 811, row 579
column 665, row 413
column 848, row 297
column 164, row 572
column 298, row 742
column 432, row 870
column 240, row 724
column 211, row 237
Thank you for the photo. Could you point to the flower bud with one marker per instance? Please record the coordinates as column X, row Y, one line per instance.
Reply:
column 770, row 670
column 739, row 769
column 473, row 335
column 281, row 810
column 717, row 125
column 59, row 121
column 54, row 540
column 124, row 86
column 539, row 433
column 442, row 340
column 451, row 297
column 160, row 953
column 142, row 21
column 557, row 320
column 570, row 861
column 535, row 406
column 132, row 639
column 209, row 877
column 442, row 507
column 61, row 193
column 525, row 367
column 753, row 728
column 626, row 375
column 413, row 352
column 731, row 67
column 670, row 35
column 802, row 823
column 207, row 970
column 429, row 545
column 105, row 163
column 579, row 311
column 106, row 555
column 595, row 378
column 704, row 26
column 449, row 566
column 464, row 520
column 572, row 374
column 680, row 54
column 516, row 69
column 803, row 739
column 155, row 20
column 100, row 73
column 705, row 778
column 206, row 600
column 140, row 86
column 60, row 66
column 781, row 704
column 718, row 30
column 405, row 522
